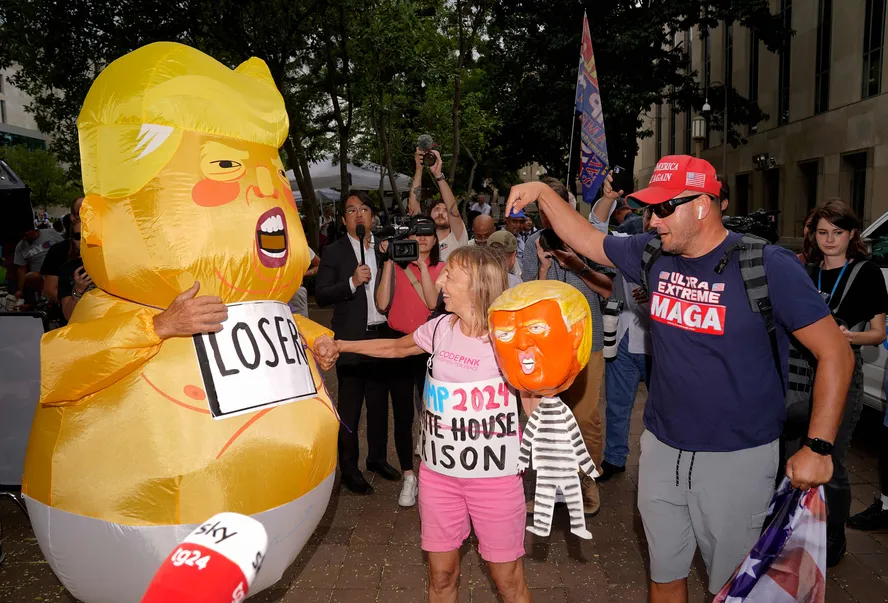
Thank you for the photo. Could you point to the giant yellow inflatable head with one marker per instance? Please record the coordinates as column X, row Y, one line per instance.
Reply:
column 138, row 439
column 184, row 182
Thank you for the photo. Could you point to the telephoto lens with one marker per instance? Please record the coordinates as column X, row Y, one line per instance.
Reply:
column 610, row 318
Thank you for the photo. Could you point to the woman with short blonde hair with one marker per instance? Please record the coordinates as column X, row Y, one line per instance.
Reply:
column 471, row 481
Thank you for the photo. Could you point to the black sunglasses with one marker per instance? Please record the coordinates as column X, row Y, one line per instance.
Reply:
column 667, row 208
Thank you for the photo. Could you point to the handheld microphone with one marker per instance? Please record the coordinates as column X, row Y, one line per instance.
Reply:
column 361, row 232
column 216, row 563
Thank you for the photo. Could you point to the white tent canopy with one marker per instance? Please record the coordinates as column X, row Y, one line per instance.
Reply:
column 326, row 175
column 323, row 195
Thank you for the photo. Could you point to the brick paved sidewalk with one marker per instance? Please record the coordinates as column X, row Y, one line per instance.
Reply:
column 368, row 549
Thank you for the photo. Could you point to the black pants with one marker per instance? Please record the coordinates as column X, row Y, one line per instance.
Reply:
column 374, row 380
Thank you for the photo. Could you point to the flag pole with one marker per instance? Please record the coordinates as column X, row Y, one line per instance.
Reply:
column 573, row 126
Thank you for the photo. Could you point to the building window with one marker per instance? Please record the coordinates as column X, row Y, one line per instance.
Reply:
column 873, row 43
column 753, row 67
column 855, row 168
column 659, row 130
column 707, row 76
column 729, row 54
column 772, row 188
column 741, row 195
column 808, row 171
column 821, row 69
column 784, row 69
column 2, row 111
column 672, row 117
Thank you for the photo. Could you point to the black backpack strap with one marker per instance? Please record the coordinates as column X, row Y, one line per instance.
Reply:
column 752, row 270
column 653, row 249
column 854, row 272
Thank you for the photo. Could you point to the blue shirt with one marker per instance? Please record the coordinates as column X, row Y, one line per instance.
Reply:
column 714, row 385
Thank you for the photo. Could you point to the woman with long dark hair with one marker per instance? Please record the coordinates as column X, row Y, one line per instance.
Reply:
column 856, row 294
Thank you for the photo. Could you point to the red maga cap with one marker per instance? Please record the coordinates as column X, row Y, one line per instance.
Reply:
column 675, row 174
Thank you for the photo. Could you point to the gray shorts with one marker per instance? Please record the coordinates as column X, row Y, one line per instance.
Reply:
column 717, row 500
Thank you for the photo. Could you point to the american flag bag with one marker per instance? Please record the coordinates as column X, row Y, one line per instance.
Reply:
column 788, row 563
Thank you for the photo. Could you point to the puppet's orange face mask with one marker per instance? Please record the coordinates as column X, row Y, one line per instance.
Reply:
column 535, row 349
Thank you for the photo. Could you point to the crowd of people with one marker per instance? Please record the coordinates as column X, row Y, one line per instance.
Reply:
column 659, row 260
column 715, row 444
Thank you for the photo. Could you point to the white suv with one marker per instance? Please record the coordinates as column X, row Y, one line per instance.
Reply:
column 875, row 358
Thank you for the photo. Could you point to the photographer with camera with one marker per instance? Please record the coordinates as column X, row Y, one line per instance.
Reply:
column 444, row 212
column 546, row 257
column 407, row 293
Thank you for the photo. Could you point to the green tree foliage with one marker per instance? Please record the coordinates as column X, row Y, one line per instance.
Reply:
column 40, row 170
column 531, row 57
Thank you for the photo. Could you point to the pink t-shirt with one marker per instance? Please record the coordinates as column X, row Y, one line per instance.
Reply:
column 408, row 310
column 457, row 358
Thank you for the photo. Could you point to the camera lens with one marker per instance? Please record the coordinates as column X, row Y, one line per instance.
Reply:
column 429, row 159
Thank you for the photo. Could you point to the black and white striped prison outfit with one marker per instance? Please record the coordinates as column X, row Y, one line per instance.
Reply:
column 553, row 440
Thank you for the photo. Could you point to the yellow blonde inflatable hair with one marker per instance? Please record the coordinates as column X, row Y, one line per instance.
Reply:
column 137, row 109
column 573, row 304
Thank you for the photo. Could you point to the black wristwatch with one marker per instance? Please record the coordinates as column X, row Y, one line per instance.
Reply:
column 819, row 446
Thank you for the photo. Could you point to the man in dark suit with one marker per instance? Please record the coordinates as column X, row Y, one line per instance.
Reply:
column 349, row 284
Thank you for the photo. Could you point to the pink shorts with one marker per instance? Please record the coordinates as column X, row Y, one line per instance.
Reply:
column 495, row 506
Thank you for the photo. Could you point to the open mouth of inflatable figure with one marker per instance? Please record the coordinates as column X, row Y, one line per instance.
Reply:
column 271, row 238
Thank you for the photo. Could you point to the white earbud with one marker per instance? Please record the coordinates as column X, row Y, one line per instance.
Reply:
column 699, row 213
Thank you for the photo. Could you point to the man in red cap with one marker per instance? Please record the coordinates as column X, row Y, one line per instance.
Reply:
column 715, row 411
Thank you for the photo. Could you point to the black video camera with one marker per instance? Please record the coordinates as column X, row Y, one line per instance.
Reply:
column 400, row 248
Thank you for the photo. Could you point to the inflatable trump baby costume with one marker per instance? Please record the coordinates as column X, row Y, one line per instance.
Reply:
column 542, row 337
column 139, row 439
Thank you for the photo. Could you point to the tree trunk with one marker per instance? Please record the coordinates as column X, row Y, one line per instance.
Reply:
column 457, row 91
column 296, row 156
column 393, row 180
column 341, row 126
column 472, row 172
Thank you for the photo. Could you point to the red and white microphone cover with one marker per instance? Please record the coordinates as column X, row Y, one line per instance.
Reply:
column 216, row 563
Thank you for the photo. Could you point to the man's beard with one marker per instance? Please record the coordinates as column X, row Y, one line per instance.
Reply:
column 442, row 225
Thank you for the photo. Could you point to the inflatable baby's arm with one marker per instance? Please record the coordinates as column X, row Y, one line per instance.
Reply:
column 310, row 330
column 85, row 357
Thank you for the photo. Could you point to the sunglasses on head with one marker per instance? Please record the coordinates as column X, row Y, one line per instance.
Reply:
column 667, row 208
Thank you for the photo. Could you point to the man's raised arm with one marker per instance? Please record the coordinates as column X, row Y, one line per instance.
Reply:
column 456, row 223
column 572, row 227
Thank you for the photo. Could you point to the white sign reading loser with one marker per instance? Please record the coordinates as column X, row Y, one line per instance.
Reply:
column 258, row 359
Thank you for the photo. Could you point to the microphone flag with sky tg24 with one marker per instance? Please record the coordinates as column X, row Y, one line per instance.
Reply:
column 216, row 563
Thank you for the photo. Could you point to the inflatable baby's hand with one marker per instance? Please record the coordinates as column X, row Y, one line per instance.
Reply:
column 189, row 315
column 326, row 351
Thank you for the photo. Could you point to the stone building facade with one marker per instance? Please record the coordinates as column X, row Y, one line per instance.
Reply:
column 827, row 98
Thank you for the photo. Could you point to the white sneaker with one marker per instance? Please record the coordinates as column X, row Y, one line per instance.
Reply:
column 409, row 491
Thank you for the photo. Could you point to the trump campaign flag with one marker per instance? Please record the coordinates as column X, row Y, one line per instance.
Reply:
column 593, row 153
column 788, row 563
